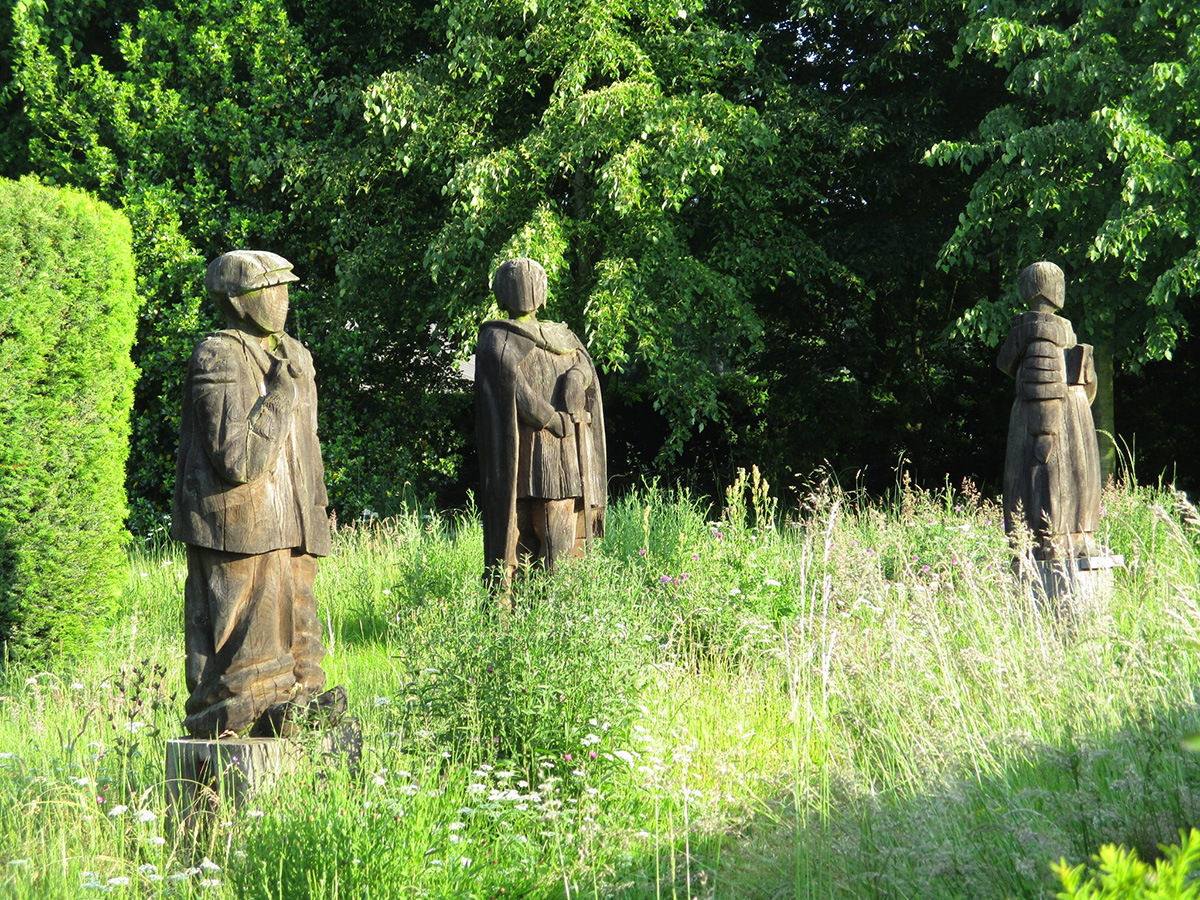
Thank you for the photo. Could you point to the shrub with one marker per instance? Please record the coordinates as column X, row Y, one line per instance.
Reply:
column 67, row 321
column 1120, row 874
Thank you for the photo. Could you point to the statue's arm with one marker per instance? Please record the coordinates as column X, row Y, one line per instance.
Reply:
column 1011, row 352
column 242, row 432
column 532, row 406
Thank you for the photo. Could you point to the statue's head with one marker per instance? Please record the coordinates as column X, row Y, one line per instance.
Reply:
column 1043, row 284
column 250, row 288
column 520, row 285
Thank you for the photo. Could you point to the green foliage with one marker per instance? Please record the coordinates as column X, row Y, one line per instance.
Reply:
column 1088, row 163
column 846, row 726
column 615, row 143
column 1120, row 875
column 67, row 317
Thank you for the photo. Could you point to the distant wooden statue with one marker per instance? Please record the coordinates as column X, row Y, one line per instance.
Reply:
column 250, row 505
column 540, row 426
column 1052, row 466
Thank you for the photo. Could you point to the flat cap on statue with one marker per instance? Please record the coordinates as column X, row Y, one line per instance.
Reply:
column 520, row 285
column 242, row 271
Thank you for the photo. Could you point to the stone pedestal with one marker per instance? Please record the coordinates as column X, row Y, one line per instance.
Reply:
column 1078, row 586
column 203, row 776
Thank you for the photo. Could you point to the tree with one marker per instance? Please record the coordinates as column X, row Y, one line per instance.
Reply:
column 1089, row 163
column 616, row 143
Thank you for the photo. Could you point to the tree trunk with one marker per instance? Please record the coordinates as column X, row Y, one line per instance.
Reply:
column 1103, row 408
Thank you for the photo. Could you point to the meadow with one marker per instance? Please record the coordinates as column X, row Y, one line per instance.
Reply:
column 809, row 693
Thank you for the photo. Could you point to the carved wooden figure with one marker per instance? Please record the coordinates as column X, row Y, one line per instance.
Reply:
column 250, row 505
column 540, row 426
column 1052, row 465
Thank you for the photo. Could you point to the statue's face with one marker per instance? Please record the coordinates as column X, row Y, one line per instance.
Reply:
column 267, row 308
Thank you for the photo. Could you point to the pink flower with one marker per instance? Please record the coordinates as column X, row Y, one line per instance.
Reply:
column 666, row 579
column 642, row 552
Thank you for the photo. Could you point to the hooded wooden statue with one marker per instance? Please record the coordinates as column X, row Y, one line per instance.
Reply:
column 540, row 425
column 1052, row 464
column 250, row 505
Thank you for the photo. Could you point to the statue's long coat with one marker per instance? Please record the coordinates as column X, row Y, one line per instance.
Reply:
column 1052, row 464
column 504, row 345
column 249, row 476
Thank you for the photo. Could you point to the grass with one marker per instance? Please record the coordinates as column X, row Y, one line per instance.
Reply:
column 844, row 698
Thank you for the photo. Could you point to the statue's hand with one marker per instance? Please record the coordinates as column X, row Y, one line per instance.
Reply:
column 282, row 379
column 559, row 424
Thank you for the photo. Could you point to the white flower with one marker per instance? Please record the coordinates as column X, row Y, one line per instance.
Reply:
column 156, row 840
column 378, row 781
column 76, row 686
column 210, row 883
column 733, row 592
column 771, row 582
column 134, row 727
column 82, row 782
column 624, row 756
column 119, row 881
column 589, row 739
column 118, row 810
column 6, row 755
column 386, row 592
column 455, row 826
column 383, row 701
column 147, row 869
column 256, row 814
column 209, row 866
column 147, row 815
column 464, row 861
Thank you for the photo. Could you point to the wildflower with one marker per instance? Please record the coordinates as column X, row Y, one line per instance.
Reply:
column 147, row 869
column 147, row 816
column 771, row 582
column 643, row 552
column 386, row 592
column 119, row 881
column 209, row 866
column 383, row 701
column 464, row 861
column 378, row 781
column 134, row 727
column 117, row 810
column 156, row 840
column 210, row 883
column 76, row 686
column 666, row 579
column 733, row 592
column 589, row 739
column 256, row 814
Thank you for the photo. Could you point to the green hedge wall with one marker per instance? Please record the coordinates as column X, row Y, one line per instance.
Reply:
column 68, row 314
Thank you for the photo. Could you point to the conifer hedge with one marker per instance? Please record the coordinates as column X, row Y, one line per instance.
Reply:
column 68, row 315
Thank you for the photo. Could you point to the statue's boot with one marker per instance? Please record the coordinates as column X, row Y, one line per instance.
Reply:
column 289, row 718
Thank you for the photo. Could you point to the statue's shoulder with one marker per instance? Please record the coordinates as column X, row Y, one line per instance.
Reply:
column 216, row 346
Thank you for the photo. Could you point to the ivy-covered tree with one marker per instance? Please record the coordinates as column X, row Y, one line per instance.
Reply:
column 1091, row 164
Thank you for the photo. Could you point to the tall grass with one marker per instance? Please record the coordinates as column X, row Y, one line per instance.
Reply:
column 836, row 697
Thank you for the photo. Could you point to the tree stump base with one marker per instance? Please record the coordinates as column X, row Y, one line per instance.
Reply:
column 206, row 776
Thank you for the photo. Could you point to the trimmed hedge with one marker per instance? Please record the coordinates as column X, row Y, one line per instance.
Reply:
column 68, row 315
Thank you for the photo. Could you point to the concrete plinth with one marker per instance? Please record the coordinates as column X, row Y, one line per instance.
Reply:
column 1078, row 586
column 203, row 776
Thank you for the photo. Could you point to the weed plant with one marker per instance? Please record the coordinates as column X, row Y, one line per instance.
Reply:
column 830, row 697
